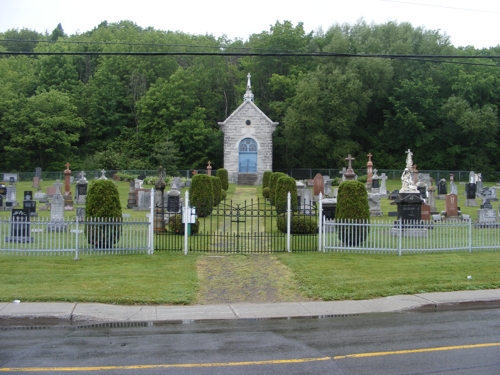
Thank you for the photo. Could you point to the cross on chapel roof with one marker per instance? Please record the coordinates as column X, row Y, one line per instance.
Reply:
column 248, row 97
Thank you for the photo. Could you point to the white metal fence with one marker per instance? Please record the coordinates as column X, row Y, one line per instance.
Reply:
column 399, row 237
column 88, row 236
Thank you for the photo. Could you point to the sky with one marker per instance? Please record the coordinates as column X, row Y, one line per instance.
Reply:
column 467, row 23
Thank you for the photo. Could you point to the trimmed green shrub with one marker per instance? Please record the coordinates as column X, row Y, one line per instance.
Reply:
column 363, row 179
column 224, row 179
column 265, row 192
column 353, row 207
column 272, row 185
column 336, row 181
column 300, row 224
column 265, row 179
column 217, row 186
column 284, row 185
column 177, row 226
column 223, row 195
column 103, row 205
column 201, row 194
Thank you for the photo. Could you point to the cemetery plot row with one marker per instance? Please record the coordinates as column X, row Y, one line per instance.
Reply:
column 400, row 237
column 89, row 236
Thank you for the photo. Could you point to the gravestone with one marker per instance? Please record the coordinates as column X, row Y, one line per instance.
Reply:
column 11, row 177
column 319, row 186
column 394, row 194
column 479, row 184
column 374, row 203
column 328, row 185
column 432, row 200
column 80, row 213
column 383, row 188
column 81, row 189
column 451, row 204
column 11, row 198
column 349, row 173
column 409, row 207
column 342, row 173
column 20, row 230
column 68, row 199
column 422, row 188
column 143, row 197
column 1, row 203
column 305, row 202
column 3, row 190
column 375, row 182
column 132, row 200
column 329, row 208
column 409, row 201
column 369, row 172
column 441, row 187
column 57, row 223
column 425, row 212
column 103, row 175
column 470, row 194
column 486, row 217
column 173, row 202
column 30, row 206
column 453, row 186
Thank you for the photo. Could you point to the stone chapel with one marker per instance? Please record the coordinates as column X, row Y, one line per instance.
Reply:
column 248, row 142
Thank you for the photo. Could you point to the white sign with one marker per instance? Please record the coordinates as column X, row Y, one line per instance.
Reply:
column 189, row 215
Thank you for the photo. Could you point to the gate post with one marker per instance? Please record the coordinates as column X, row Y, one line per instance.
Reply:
column 320, row 222
column 151, row 222
column 288, row 220
column 186, row 221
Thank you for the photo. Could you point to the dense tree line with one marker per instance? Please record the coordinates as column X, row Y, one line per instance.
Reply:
column 139, row 112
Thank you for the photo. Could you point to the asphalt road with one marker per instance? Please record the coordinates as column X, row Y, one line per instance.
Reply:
column 449, row 342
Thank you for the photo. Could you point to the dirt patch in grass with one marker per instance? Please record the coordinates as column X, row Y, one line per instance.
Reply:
column 245, row 278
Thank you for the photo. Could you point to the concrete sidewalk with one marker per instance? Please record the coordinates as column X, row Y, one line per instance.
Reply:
column 96, row 312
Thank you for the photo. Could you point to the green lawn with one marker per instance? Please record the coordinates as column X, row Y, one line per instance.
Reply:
column 172, row 278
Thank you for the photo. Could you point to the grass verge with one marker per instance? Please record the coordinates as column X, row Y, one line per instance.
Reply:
column 339, row 276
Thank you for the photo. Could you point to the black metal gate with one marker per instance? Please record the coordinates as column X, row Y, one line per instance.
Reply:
column 249, row 227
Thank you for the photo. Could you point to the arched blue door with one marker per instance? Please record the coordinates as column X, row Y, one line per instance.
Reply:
column 247, row 161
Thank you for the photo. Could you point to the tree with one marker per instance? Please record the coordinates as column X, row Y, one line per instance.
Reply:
column 42, row 129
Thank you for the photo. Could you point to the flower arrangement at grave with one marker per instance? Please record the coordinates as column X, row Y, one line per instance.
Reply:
column 103, row 214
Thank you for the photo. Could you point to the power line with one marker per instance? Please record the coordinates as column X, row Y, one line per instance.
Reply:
column 441, row 6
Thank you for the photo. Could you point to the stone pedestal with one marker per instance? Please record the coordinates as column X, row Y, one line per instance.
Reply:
column 409, row 206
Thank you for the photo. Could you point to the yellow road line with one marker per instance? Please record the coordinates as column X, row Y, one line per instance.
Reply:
column 179, row 365
column 412, row 351
column 246, row 363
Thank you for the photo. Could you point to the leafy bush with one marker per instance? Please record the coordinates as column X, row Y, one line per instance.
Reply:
column 223, row 195
column 265, row 192
column 272, row 185
column 224, row 179
column 201, row 194
column 353, row 208
column 265, row 179
column 300, row 224
column 284, row 185
column 217, row 186
column 120, row 176
column 177, row 226
column 336, row 181
column 363, row 179
column 103, row 204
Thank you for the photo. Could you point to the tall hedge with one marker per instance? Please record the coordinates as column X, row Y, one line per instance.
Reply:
column 272, row 185
column 265, row 183
column 201, row 194
column 217, row 186
column 224, row 179
column 353, row 207
column 284, row 185
column 103, row 204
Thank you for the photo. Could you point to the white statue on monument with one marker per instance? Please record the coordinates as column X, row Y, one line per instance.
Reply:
column 408, row 185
